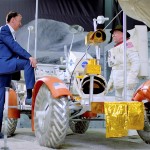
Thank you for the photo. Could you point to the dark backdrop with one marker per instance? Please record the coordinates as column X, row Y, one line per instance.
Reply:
column 71, row 12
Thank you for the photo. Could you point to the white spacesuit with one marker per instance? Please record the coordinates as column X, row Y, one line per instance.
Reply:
column 115, row 60
column 137, row 65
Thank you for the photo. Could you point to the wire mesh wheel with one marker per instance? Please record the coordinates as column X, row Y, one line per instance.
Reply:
column 11, row 126
column 79, row 127
column 145, row 133
column 51, row 118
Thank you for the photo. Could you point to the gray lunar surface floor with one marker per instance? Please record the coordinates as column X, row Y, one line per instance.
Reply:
column 93, row 139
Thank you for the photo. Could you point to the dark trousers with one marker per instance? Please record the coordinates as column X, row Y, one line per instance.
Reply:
column 5, row 80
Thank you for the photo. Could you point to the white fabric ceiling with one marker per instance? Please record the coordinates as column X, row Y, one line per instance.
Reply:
column 137, row 9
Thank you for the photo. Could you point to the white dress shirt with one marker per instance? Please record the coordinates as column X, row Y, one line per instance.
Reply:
column 12, row 31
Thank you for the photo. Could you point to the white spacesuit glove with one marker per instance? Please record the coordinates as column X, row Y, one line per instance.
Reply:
column 110, row 86
column 131, row 86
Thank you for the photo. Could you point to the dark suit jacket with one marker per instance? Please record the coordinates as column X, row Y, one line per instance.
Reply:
column 9, row 51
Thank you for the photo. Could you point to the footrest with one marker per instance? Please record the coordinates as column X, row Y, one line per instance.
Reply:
column 25, row 107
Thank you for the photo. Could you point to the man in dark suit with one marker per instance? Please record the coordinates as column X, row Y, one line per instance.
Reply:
column 14, row 58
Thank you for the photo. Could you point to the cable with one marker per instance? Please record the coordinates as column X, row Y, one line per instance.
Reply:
column 113, row 19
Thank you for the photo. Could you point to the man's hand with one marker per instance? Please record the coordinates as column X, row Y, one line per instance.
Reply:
column 33, row 62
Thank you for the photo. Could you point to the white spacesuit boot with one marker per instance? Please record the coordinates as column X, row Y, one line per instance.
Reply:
column 118, row 94
column 132, row 132
column 130, row 93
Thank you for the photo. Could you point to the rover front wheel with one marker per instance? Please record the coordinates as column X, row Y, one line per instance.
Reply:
column 51, row 118
column 145, row 133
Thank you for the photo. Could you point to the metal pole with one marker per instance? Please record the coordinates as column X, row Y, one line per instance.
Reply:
column 124, row 56
column 5, row 116
column 71, row 43
column 92, row 76
column 97, row 48
column 30, row 28
column 105, row 64
column 91, row 87
column 95, row 24
column 36, row 24
column 28, row 42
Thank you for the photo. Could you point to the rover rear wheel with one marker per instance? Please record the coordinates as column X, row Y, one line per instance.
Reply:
column 79, row 127
column 11, row 122
column 11, row 126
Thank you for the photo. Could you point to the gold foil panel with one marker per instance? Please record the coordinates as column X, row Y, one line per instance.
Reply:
column 93, row 69
column 88, row 40
column 136, row 115
column 121, row 116
column 116, row 119
column 94, row 38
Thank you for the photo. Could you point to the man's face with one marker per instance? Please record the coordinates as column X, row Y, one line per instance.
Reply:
column 117, row 36
column 17, row 22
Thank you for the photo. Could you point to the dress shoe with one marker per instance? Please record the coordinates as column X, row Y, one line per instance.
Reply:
column 1, row 135
column 28, row 101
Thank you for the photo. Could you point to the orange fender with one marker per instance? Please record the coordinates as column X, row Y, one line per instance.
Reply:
column 55, row 85
column 13, row 112
column 143, row 92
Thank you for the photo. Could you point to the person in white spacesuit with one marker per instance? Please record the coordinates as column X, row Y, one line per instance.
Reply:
column 115, row 61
